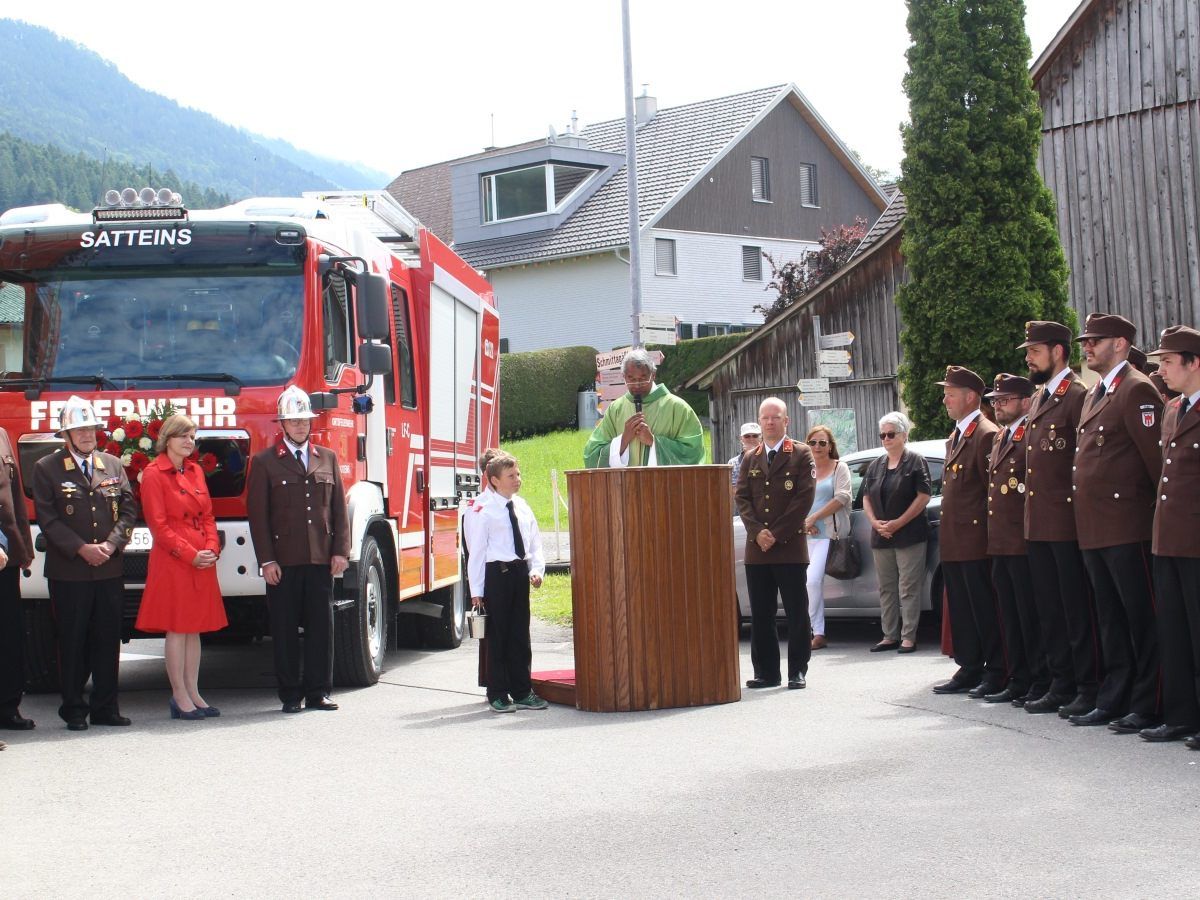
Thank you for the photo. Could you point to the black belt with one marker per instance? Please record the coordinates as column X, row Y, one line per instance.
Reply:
column 509, row 565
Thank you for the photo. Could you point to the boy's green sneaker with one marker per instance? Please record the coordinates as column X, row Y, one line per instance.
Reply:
column 532, row 701
column 502, row 706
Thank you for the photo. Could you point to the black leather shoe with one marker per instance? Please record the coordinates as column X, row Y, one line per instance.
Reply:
column 16, row 722
column 953, row 687
column 883, row 646
column 797, row 683
column 1134, row 723
column 982, row 689
column 1095, row 717
column 1166, row 733
column 756, row 683
column 1081, row 705
column 111, row 719
column 77, row 725
column 292, row 707
column 1007, row 695
column 1047, row 703
column 1193, row 743
column 320, row 703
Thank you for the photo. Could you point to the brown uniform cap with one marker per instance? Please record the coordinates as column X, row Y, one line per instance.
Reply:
column 1161, row 386
column 1178, row 339
column 957, row 376
column 1010, row 385
column 1102, row 325
column 1137, row 359
column 1045, row 333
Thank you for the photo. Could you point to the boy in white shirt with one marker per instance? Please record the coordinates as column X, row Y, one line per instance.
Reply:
column 504, row 557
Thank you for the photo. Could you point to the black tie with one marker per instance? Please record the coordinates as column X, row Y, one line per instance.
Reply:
column 1184, row 405
column 770, row 457
column 87, row 470
column 1100, row 390
column 957, row 435
column 1045, row 395
column 518, row 543
column 300, row 459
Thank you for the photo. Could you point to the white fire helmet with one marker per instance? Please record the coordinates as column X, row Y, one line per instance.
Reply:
column 77, row 413
column 294, row 404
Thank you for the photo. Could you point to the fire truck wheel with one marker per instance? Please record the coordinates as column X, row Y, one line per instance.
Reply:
column 447, row 630
column 360, row 631
column 41, row 649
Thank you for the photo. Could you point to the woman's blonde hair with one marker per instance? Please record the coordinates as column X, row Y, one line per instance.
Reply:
column 833, row 454
column 173, row 427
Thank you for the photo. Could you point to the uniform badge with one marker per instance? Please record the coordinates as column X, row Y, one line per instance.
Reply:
column 1020, row 488
column 1018, row 434
column 1004, row 488
column 97, row 464
column 1012, row 484
column 1045, row 445
column 1099, row 440
column 1060, row 444
column 68, row 463
column 1147, row 415
column 1062, row 388
column 70, row 510
column 788, row 485
column 754, row 473
column 971, row 428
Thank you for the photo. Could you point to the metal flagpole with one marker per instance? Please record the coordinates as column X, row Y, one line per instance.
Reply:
column 635, row 250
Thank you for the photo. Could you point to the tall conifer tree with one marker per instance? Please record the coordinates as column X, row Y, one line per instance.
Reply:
column 980, row 239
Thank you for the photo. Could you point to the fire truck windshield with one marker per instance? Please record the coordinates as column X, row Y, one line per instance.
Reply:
column 65, row 324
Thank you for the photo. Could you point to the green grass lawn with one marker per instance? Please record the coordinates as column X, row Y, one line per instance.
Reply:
column 552, row 601
column 559, row 450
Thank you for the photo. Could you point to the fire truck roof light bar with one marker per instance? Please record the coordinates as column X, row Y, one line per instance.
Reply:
column 130, row 205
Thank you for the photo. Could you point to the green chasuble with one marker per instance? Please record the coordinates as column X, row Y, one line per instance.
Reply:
column 678, row 437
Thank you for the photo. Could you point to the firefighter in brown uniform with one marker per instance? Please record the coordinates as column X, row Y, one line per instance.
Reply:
column 774, row 494
column 1177, row 541
column 1029, row 678
column 14, row 525
column 1118, row 462
column 302, row 540
column 86, row 510
column 1060, row 585
column 974, row 624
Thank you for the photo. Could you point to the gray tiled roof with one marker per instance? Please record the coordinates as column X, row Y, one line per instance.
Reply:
column 671, row 148
column 897, row 208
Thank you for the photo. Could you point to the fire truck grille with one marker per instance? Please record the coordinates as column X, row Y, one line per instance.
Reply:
column 136, row 567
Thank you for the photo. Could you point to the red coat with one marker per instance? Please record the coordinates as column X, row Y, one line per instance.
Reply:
column 178, row 510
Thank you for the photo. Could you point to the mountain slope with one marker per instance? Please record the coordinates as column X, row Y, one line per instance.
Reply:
column 57, row 92
column 351, row 176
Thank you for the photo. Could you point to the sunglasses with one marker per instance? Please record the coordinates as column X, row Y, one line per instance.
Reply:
column 887, row 435
column 818, row 443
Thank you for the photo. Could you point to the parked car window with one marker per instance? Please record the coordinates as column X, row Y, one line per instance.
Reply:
column 858, row 471
column 935, row 475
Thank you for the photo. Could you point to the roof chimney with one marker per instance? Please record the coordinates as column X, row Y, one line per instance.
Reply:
column 645, row 107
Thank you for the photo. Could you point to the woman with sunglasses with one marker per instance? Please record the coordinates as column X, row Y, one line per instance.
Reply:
column 896, row 490
column 829, row 514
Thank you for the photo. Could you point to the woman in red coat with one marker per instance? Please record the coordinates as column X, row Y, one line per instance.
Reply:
column 182, row 596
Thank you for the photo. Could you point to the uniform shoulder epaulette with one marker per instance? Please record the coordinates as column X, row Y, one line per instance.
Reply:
column 788, row 446
column 1018, row 434
column 1063, row 387
column 971, row 428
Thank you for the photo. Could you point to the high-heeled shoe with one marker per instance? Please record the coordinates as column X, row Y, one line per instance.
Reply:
column 192, row 715
column 210, row 712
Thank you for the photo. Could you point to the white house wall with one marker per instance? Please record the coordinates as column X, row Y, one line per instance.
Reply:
column 563, row 303
column 709, row 287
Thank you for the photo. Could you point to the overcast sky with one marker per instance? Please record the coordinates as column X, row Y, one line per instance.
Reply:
column 401, row 85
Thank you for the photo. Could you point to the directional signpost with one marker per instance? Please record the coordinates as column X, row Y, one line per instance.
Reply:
column 832, row 361
column 835, row 370
column 841, row 339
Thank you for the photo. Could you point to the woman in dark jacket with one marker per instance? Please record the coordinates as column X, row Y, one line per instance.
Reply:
column 895, row 493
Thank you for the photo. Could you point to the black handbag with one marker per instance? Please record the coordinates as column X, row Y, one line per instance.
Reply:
column 844, row 561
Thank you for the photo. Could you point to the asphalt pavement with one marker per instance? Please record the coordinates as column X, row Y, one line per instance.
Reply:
column 865, row 784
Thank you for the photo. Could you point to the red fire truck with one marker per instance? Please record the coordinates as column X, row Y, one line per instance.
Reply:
column 142, row 303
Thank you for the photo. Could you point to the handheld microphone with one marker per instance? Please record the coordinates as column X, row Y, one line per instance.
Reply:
column 637, row 403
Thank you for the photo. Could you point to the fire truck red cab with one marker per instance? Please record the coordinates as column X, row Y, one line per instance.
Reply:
column 142, row 303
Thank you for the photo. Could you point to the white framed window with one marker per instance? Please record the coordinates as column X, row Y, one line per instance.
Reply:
column 712, row 329
column 664, row 256
column 530, row 191
column 808, row 184
column 752, row 263
column 760, row 179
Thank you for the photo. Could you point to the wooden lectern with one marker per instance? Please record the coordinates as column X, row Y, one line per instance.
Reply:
column 652, row 580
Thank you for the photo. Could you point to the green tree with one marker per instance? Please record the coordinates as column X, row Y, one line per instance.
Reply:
column 980, row 238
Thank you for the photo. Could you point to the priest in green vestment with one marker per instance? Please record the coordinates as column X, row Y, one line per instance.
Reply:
column 648, row 426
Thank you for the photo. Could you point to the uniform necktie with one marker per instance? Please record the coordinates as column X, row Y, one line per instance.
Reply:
column 87, row 470
column 1184, row 405
column 300, row 459
column 957, row 435
column 770, row 457
column 1046, row 395
column 518, row 543
column 1101, row 390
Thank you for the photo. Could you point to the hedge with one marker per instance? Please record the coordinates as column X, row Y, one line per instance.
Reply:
column 539, row 390
column 687, row 358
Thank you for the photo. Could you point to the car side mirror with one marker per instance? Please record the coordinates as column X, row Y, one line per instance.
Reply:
column 374, row 359
column 371, row 305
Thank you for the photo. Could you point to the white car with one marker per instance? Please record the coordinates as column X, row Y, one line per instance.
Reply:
column 859, row 597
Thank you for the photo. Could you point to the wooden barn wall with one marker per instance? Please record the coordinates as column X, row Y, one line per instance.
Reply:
column 862, row 301
column 1121, row 153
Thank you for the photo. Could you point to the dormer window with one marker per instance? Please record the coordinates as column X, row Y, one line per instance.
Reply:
column 530, row 191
